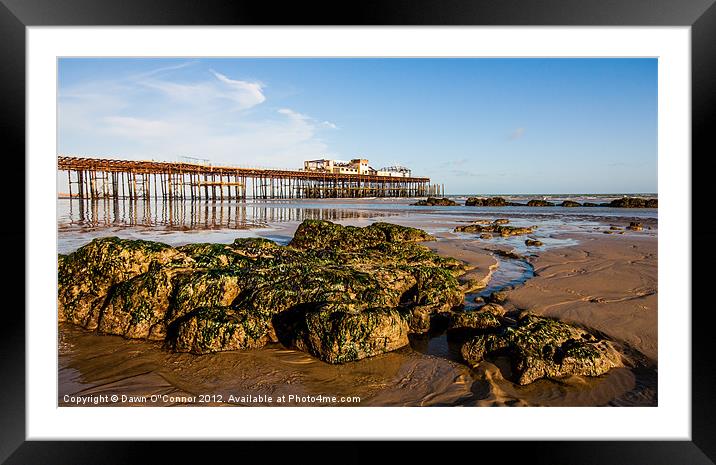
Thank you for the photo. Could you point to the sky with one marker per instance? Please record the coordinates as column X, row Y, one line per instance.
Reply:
column 476, row 125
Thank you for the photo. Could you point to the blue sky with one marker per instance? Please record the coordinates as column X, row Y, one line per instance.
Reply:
column 476, row 125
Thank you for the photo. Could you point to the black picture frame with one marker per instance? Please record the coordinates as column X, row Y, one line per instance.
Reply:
column 16, row 15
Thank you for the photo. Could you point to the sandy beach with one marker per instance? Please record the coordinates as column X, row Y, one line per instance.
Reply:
column 603, row 282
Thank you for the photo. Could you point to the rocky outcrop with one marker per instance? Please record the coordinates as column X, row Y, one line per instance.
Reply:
column 434, row 201
column 495, row 228
column 540, row 347
column 570, row 203
column 338, row 292
column 539, row 203
column 488, row 202
column 633, row 202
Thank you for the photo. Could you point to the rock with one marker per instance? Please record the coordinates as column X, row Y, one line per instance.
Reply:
column 218, row 329
column 539, row 203
column 497, row 297
column 337, row 336
column 488, row 202
column 485, row 236
column 633, row 202
column 539, row 347
column 86, row 275
column 570, row 203
column 501, row 230
column 493, row 308
column 590, row 204
column 434, row 201
column 614, row 228
column 476, row 319
column 508, row 254
column 635, row 226
column 533, row 243
column 318, row 234
column 348, row 292
column 495, row 221
column 478, row 300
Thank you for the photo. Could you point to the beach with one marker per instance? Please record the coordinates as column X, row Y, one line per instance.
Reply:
column 590, row 271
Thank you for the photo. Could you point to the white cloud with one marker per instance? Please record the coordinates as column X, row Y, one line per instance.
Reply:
column 149, row 116
column 138, row 127
column 242, row 94
column 246, row 94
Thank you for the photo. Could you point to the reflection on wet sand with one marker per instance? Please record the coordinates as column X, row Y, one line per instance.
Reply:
column 196, row 215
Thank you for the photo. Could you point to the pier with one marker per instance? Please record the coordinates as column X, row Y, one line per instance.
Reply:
column 97, row 178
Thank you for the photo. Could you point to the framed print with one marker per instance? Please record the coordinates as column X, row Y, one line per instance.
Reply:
column 247, row 225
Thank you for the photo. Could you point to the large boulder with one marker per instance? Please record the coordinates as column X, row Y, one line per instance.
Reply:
column 488, row 202
column 218, row 329
column 540, row 347
column 318, row 234
column 339, row 336
column 357, row 291
column 539, row 203
column 633, row 202
column 86, row 275
column 435, row 201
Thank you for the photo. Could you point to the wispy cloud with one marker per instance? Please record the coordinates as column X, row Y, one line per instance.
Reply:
column 154, row 116
column 517, row 134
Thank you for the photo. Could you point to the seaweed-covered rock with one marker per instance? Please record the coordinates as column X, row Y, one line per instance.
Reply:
column 137, row 308
column 497, row 297
column 539, row 203
column 590, row 204
column 218, row 329
column 634, row 202
column 488, row 202
column 337, row 336
column 539, row 347
column 435, row 201
column 635, row 226
column 495, row 228
column 533, row 243
column 476, row 319
column 86, row 275
column 358, row 291
column 318, row 234
column 570, row 203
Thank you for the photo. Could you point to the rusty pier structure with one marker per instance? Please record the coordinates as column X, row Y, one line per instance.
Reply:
column 97, row 178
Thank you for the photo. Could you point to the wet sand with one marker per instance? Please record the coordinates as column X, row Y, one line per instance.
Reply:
column 604, row 282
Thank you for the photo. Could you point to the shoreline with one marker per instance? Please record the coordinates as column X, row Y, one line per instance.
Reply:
column 546, row 293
